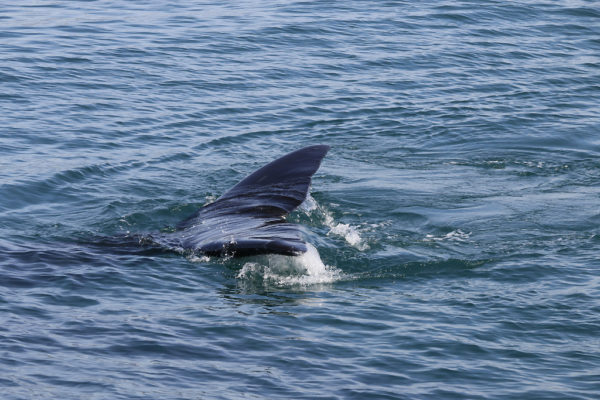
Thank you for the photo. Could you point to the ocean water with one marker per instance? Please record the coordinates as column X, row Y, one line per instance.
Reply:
column 455, row 221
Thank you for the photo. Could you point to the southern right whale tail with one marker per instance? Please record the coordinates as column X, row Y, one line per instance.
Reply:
column 249, row 218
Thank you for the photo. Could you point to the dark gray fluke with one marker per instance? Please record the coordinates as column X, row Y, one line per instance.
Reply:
column 249, row 219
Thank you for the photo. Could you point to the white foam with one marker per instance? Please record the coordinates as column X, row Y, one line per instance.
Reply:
column 350, row 233
column 210, row 199
column 454, row 236
column 309, row 204
column 306, row 269
column 198, row 259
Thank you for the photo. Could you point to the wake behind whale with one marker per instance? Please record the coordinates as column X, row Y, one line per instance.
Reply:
column 249, row 219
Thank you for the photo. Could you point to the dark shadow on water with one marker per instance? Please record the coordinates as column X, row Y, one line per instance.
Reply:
column 125, row 244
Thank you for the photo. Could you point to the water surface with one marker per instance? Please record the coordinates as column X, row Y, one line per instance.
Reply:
column 455, row 220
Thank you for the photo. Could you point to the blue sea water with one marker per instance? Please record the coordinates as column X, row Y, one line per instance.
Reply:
column 456, row 219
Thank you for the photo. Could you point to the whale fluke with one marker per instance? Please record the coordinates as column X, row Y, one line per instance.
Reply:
column 249, row 219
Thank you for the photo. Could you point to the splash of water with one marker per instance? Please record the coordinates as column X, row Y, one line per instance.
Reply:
column 347, row 231
column 305, row 269
column 350, row 233
column 274, row 269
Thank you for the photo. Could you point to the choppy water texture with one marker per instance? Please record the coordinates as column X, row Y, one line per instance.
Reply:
column 455, row 220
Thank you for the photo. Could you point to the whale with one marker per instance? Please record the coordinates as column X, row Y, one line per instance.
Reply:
column 250, row 218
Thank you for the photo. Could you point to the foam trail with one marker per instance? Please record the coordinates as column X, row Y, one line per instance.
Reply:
column 350, row 233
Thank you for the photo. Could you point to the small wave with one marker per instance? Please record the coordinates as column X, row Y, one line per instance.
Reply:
column 304, row 270
column 454, row 236
column 198, row 258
